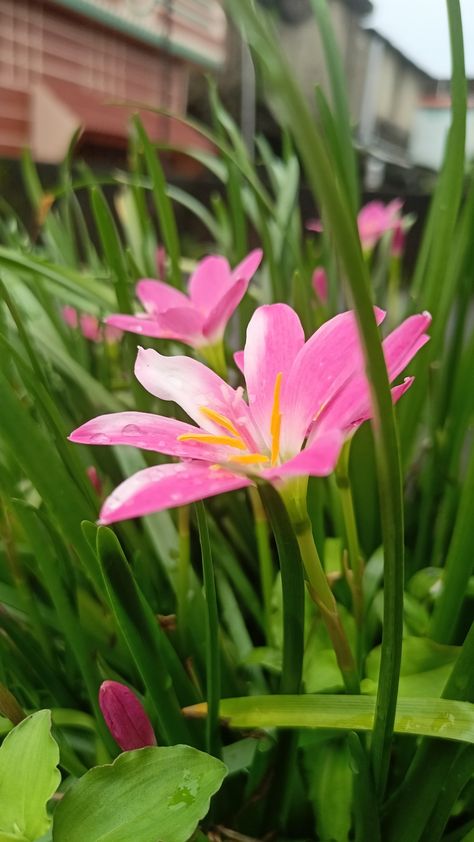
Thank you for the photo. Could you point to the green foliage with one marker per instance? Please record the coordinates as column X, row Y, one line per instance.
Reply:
column 29, row 777
column 208, row 605
column 145, row 795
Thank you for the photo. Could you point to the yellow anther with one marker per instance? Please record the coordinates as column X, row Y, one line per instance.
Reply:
column 206, row 438
column 275, row 423
column 250, row 459
column 219, row 419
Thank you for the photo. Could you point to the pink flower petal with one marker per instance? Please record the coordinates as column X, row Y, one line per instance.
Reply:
column 166, row 486
column 248, row 266
column 328, row 359
column 216, row 322
column 314, row 225
column 353, row 402
column 211, row 278
column 239, row 360
column 358, row 414
column 148, row 432
column 192, row 386
column 375, row 219
column 182, row 324
column 402, row 344
column 274, row 338
column 156, row 296
column 142, row 324
column 317, row 460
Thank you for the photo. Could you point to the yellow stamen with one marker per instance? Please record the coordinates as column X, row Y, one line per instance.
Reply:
column 206, row 438
column 219, row 419
column 250, row 459
column 320, row 410
column 275, row 423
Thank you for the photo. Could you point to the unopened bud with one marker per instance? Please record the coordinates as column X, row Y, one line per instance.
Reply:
column 125, row 716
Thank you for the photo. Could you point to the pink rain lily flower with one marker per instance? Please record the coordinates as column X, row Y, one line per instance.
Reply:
column 373, row 221
column 90, row 327
column 198, row 319
column 303, row 400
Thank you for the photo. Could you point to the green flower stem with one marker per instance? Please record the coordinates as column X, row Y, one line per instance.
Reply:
column 214, row 355
column 355, row 559
column 292, row 582
column 213, row 667
column 184, row 561
column 264, row 560
column 322, row 596
column 317, row 582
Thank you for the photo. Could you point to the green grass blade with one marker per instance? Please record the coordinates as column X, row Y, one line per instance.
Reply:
column 292, row 580
column 112, row 248
column 163, row 206
column 213, row 669
column 446, row 719
column 143, row 636
column 337, row 78
column 458, row 566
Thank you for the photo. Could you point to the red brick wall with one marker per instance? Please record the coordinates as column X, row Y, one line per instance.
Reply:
column 39, row 41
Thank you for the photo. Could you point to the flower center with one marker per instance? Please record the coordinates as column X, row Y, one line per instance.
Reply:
column 234, row 438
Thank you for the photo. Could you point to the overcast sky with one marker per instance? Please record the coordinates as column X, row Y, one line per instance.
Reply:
column 419, row 28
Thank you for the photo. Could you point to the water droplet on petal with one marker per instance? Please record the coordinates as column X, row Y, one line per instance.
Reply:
column 99, row 438
column 131, row 430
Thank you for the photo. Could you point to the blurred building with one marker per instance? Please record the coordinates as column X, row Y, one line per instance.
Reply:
column 430, row 131
column 62, row 62
column 384, row 87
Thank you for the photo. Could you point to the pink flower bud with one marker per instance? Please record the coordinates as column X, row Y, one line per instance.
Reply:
column 320, row 284
column 161, row 262
column 94, row 479
column 398, row 241
column 125, row 716
column 90, row 327
column 70, row 316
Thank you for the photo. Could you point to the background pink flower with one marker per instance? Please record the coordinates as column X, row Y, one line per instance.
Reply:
column 373, row 221
column 198, row 319
column 90, row 327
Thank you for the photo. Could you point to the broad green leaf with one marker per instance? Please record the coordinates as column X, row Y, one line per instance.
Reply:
column 424, row 717
column 149, row 795
column 28, row 778
column 330, row 788
column 426, row 667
